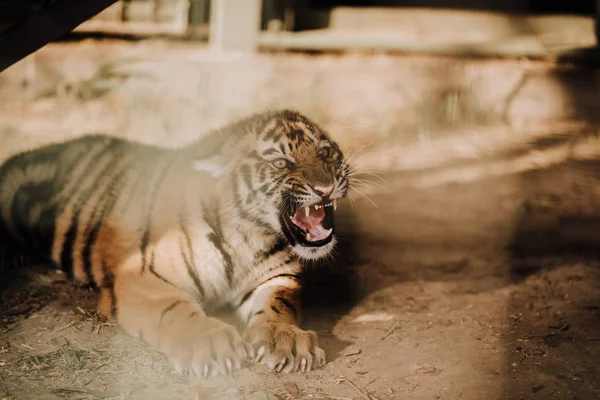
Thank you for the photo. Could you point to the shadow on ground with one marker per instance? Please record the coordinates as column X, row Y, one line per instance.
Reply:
column 526, row 239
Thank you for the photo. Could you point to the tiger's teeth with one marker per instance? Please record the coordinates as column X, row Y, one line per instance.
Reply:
column 334, row 205
column 328, row 231
column 307, row 211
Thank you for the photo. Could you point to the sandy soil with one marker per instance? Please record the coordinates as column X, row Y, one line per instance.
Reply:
column 471, row 271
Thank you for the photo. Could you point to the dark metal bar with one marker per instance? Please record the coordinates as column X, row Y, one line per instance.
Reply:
column 44, row 26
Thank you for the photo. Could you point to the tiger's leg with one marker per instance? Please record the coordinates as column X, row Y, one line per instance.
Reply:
column 166, row 318
column 272, row 313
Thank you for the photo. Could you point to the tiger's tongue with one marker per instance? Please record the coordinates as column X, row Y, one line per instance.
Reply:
column 312, row 223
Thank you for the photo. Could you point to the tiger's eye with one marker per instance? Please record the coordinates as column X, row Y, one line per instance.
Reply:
column 280, row 163
column 325, row 152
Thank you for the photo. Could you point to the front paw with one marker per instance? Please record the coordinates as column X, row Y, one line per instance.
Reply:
column 206, row 347
column 285, row 347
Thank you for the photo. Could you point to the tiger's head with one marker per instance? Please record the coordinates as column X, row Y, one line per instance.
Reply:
column 289, row 178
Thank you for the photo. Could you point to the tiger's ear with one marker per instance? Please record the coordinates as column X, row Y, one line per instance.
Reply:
column 214, row 166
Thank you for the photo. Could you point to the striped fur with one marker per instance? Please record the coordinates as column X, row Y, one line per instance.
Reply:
column 168, row 234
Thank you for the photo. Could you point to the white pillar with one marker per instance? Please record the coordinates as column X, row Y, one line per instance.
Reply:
column 234, row 24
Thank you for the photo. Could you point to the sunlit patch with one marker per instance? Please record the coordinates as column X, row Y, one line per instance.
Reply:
column 374, row 317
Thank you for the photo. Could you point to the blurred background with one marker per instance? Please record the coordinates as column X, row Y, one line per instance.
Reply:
column 468, row 259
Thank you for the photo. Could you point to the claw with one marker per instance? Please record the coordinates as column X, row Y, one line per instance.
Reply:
column 260, row 353
column 229, row 365
column 280, row 365
column 197, row 370
column 179, row 368
column 303, row 365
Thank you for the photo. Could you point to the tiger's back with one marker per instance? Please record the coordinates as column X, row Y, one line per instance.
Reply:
column 58, row 201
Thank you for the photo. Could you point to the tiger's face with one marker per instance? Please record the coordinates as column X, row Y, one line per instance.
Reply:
column 291, row 181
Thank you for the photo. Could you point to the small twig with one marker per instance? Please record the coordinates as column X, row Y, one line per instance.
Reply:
column 328, row 397
column 365, row 395
column 414, row 387
column 353, row 353
column 66, row 326
column 389, row 331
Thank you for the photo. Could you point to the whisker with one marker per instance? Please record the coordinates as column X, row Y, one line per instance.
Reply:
column 348, row 159
column 374, row 174
column 366, row 197
column 351, row 199
column 366, row 183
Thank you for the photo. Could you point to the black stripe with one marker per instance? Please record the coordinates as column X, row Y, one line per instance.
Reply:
column 168, row 309
column 254, row 315
column 290, row 259
column 113, row 297
column 215, row 238
column 156, row 274
column 287, row 304
column 254, row 155
column 193, row 314
column 66, row 254
column 66, row 257
column 249, row 293
column 246, row 173
column 264, row 188
column 279, row 245
column 92, row 165
column 275, row 310
column 242, row 212
column 296, row 277
column 108, row 283
column 226, row 257
column 56, row 154
column 261, row 172
column 189, row 259
column 147, row 227
column 143, row 175
column 269, row 151
column 296, row 135
column 105, row 204
column 113, row 302
column 245, row 298
column 272, row 189
column 37, row 237
column 65, row 156
column 269, row 134
column 260, row 121
column 45, row 231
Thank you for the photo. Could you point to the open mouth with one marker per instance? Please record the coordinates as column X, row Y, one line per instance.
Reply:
column 311, row 225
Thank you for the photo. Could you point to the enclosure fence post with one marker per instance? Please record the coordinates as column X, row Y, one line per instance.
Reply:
column 234, row 24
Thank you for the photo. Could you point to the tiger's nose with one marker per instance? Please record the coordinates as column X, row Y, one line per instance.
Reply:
column 323, row 190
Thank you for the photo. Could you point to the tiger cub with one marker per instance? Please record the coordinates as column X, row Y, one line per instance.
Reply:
column 168, row 235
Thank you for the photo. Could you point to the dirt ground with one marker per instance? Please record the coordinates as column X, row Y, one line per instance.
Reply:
column 468, row 263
